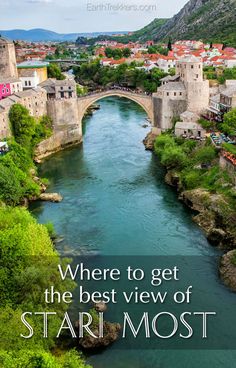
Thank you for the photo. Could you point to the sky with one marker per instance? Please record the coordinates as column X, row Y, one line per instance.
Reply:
column 76, row 16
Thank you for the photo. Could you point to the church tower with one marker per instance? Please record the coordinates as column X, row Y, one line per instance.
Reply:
column 7, row 59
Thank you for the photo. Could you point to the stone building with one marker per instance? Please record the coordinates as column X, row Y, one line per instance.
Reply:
column 59, row 89
column 35, row 100
column 7, row 59
column 187, row 90
column 222, row 102
column 188, row 127
column 190, row 70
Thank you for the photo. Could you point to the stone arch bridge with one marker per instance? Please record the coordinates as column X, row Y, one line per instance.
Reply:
column 145, row 101
column 67, row 115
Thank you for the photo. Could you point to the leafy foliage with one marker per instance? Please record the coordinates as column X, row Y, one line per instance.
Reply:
column 195, row 163
column 117, row 53
column 22, row 124
column 229, row 123
column 93, row 74
column 28, row 260
column 41, row 359
column 54, row 71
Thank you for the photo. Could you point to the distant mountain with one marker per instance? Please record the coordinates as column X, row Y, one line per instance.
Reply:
column 38, row 34
column 210, row 20
column 146, row 33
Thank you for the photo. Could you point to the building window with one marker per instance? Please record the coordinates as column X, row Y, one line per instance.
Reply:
column 69, row 87
column 191, row 66
column 70, row 94
column 62, row 95
column 26, row 83
column 61, row 88
column 167, row 93
column 199, row 66
column 29, row 83
column 180, row 93
column 174, row 93
column 196, row 75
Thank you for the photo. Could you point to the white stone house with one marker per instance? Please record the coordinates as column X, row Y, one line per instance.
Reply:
column 189, row 127
column 166, row 64
column 230, row 63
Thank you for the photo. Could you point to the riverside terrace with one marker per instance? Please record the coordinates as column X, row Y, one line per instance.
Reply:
column 219, row 138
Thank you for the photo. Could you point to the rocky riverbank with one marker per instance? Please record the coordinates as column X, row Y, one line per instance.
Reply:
column 43, row 195
column 212, row 213
column 228, row 269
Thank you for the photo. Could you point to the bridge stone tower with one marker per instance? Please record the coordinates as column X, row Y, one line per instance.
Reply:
column 7, row 59
column 191, row 74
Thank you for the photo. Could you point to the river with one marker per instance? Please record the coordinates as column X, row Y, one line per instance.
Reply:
column 116, row 203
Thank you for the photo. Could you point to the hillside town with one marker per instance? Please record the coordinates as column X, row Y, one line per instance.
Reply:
column 215, row 55
column 184, row 93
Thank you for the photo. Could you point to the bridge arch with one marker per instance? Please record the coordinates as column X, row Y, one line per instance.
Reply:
column 143, row 100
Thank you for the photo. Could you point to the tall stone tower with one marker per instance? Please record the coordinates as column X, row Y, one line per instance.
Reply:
column 7, row 59
column 191, row 74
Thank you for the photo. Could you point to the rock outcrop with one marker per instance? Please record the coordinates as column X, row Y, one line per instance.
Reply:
column 213, row 216
column 50, row 197
column 192, row 22
column 228, row 269
column 100, row 307
column 149, row 141
column 110, row 335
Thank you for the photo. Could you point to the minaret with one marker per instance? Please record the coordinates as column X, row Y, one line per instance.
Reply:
column 7, row 59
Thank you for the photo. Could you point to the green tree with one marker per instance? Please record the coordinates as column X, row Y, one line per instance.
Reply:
column 169, row 45
column 54, row 71
column 229, row 122
column 173, row 157
column 11, row 190
column 22, row 124
column 108, row 52
column 126, row 52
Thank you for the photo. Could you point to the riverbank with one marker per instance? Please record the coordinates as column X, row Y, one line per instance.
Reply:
column 61, row 139
column 193, row 170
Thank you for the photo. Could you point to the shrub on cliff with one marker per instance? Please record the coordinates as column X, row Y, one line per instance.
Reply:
column 28, row 265
column 173, row 157
column 41, row 359
column 163, row 141
column 191, row 179
column 205, row 155
column 10, row 187
column 22, row 125
column 43, row 130
column 15, row 180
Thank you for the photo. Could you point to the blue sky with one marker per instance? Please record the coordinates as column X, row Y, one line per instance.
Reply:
column 68, row 16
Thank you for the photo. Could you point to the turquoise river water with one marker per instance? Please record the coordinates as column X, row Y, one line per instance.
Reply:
column 116, row 203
